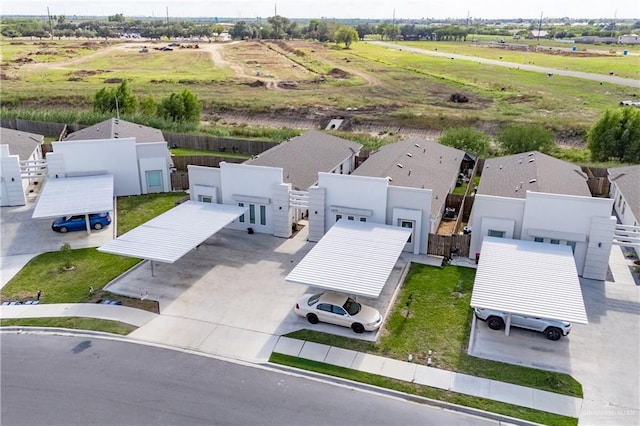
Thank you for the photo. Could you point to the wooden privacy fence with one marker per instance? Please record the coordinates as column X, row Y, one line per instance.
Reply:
column 39, row 127
column 441, row 245
column 179, row 181
column 598, row 181
column 211, row 143
column 181, row 162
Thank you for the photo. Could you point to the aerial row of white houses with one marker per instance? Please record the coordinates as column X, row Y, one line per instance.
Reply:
column 322, row 178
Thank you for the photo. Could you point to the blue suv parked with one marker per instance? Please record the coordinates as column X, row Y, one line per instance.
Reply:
column 77, row 223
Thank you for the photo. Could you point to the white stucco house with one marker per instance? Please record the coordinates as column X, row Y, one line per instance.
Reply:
column 20, row 164
column 303, row 157
column 625, row 191
column 535, row 197
column 137, row 157
column 419, row 164
column 381, row 190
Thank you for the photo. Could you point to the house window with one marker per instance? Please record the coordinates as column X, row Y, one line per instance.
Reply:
column 263, row 215
column 619, row 200
column 205, row 198
column 572, row 244
column 554, row 241
column 252, row 213
column 338, row 217
column 498, row 234
column 624, row 205
column 350, row 218
column 363, row 219
column 538, row 240
column 241, row 217
column 154, row 180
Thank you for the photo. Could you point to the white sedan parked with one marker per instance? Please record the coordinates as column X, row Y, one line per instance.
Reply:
column 338, row 309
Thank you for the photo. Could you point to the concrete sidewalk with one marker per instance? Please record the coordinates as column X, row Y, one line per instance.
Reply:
column 432, row 377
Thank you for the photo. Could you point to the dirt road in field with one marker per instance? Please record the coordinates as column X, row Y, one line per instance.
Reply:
column 549, row 71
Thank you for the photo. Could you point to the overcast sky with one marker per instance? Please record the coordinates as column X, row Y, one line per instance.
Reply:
column 330, row 8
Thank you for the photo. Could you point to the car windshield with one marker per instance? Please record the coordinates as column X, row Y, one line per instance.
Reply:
column 314, row 299
column 351, row 306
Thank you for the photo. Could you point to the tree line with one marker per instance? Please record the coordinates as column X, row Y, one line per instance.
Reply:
column 614, row 137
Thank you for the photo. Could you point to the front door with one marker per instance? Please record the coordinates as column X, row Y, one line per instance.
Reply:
column 403, row 223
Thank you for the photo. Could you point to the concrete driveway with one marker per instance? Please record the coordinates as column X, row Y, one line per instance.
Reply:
column 603, row 355
column 229, row 296
column 24, row 238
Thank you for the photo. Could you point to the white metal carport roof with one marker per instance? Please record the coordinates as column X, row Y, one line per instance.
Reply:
column 352, row 257
column 75, row 196
column 528, row 278
column 173, row 234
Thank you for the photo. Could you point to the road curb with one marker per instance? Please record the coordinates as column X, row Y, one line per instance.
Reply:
column 506, row 420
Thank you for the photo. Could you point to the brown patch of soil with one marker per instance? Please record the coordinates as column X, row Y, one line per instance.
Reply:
column 85, row 73
column 287, row 85
column 520, row 99
column 75, row 79
column 113, row 80
column 338, row 73
column 257, row 83
column 23, row 60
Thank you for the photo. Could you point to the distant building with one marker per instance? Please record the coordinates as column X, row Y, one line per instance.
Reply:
column 537, row 34
column 629, row 39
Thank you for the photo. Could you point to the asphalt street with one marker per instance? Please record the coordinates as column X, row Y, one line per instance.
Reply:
column 80, row 380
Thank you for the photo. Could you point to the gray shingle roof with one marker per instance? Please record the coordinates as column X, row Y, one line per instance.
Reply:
column 425, row 164
column 302, row 157
column 114, row 128
column 627, row 179
column 20, row 143
column 513, row 175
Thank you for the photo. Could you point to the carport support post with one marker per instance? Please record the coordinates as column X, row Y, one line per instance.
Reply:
column 152, row 271
column 507, row 325
column 87, row 223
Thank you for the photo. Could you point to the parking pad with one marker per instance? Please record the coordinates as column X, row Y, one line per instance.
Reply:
column 233, row 281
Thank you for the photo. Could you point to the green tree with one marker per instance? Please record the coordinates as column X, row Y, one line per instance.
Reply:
column 183, row 106
column 346, row 35
column 517, row 138
column 616, row 136
column 467, row 139
column 119, row 99
column 148, row 106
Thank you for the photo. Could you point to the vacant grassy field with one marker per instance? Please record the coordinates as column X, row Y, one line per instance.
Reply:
column 544, row 56
column 301, row 78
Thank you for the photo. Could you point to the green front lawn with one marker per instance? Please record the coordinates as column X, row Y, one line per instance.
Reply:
column 78, row 323
column 135, row 210
column 432, row 313
column 91, row 267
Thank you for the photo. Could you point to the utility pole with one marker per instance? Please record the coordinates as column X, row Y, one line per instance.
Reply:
column 167, row 15
column 50, row 25
column 613, row 28
column 540, row 27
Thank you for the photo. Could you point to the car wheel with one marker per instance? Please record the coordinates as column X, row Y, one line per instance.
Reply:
column 357, row 327
column 312, row 318
column 495, row 323
column 553, row 333
column 97, row 226
column 63, row 229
